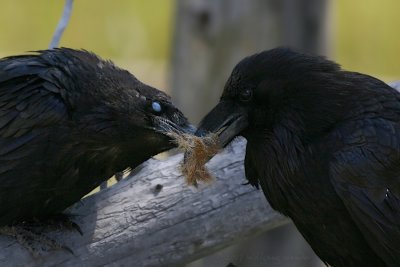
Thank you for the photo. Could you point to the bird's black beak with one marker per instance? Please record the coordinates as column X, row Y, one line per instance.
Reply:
column 227, row 120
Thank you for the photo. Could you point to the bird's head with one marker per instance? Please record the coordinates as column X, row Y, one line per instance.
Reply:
column 112, row 108
column 150, row 115
column 274, row 87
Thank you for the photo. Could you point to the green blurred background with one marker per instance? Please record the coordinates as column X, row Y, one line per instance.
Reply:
column 366, row 36
column 137, row 34
column 134, row 34
column 362, row 35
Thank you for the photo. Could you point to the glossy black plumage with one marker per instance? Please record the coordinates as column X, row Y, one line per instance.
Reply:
column 324, row 145
column 68, row 121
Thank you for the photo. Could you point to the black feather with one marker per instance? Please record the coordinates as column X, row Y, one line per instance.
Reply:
column 324, row 145
column 69, row 121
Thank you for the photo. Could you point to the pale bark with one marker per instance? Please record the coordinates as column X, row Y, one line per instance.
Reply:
column 154, row 219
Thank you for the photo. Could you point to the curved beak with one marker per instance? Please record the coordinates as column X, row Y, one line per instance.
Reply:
column 226, row 119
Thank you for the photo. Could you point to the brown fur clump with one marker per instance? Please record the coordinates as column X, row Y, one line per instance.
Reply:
column 198, row 150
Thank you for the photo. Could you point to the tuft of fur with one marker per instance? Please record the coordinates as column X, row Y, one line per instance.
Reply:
column 198, row 150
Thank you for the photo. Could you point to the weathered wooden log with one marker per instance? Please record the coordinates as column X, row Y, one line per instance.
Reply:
column 154, row 219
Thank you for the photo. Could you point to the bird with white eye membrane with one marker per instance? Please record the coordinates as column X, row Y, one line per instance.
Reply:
column 156, row 106
column 89, row 128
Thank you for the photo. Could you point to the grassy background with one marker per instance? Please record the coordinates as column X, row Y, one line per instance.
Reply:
column 367, row 36
column 137, row 34
column 128, row 28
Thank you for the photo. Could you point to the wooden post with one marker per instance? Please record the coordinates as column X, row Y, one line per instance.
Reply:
column 211, row 36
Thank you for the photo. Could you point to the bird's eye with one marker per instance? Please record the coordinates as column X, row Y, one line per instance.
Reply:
column 246, row 95
column 156, row 107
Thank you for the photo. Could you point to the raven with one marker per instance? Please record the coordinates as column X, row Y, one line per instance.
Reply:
column 68, row 121
column 324, row 145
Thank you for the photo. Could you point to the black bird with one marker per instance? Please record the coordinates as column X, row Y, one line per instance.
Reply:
column 324, row 145
column 69, row 121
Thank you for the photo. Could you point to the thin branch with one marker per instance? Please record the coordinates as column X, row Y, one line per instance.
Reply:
column 62, row 24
